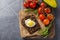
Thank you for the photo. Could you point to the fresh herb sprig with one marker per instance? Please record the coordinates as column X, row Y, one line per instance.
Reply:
column 45, row 31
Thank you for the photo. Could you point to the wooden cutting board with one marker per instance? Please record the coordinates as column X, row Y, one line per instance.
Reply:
column 26, row 36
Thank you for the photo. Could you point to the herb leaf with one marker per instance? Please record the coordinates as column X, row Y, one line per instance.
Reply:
column 45, row 31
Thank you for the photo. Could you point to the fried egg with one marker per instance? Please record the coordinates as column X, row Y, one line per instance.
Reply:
column 30, row 23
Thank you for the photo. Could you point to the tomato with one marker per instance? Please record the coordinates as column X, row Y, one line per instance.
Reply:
column 43, row 5
column 50, row 16
column 46, row 21
column 32, row 1
column 32, row 4
column 41, row 16
column 35, row 1
column 47, row 10
column 26, row 4
column 29, row 0
column 40, row 10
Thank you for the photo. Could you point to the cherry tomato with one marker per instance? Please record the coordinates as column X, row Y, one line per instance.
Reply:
column 47, row 10
column 46, row 21
column 50, row 16
column 41, row 16
column 26, row 4
column 32, row 0
column 32, row 4
column 29, row 1
column 43, row 5
column 35, row 1
column 40, row 10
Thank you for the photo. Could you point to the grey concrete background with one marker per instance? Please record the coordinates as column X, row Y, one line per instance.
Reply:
column 9, row 26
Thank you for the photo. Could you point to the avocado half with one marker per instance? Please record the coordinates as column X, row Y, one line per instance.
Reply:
column 51, row 3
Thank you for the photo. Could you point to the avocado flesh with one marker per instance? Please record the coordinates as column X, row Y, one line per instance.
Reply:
column 51, row 3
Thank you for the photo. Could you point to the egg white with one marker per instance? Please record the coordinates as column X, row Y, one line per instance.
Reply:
column 26, row 22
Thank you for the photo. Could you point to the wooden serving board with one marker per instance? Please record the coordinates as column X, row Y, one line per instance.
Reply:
column 26, row 36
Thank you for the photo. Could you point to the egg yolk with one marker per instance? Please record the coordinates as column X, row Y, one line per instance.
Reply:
column 30, row 23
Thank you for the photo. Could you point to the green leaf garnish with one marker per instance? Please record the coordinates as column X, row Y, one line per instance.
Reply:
column 45, row 31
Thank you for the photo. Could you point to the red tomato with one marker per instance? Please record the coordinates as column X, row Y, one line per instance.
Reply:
column 32, row 1
column 43, row 5
column 50, row 16
column 29, row 1
column 35, row 1
column 47, row 10
column 46, row 21
column 41, row 16
column 40, row 10
column 26, row 4
column 32, row 4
